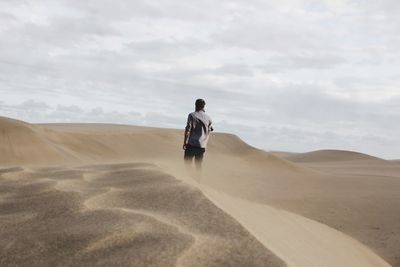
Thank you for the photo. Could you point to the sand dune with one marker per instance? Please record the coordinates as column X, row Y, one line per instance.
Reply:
column 346, row 163
column 114, row 211
column 23, row 143
column 329, row 155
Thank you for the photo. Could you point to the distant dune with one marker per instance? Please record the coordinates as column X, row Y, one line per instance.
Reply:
column 329, row 155
column 84, row 194
column 345, row 163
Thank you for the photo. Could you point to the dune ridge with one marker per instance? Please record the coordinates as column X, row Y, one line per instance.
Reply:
column 357, row 202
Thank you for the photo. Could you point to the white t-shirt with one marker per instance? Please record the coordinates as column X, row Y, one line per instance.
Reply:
column 199, row 126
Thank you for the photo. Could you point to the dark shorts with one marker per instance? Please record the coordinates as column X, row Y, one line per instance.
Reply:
column 194, row 151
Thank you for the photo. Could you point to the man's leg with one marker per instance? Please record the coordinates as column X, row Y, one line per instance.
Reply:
column 198, row 159
column 188, row 156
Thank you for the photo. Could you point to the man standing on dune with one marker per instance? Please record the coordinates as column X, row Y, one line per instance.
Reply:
column 197, row 132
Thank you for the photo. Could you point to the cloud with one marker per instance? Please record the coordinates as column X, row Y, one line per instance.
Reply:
column 234, row 69
column 6, row 17
column 303, row 61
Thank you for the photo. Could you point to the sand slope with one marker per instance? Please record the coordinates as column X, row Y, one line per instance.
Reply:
column 22, row 143
column 300, row 241
column 361, row 204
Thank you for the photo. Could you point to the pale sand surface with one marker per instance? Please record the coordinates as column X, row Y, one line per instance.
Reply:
column 262, row 191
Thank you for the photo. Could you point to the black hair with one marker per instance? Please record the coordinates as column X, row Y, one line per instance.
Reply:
column 200, row 103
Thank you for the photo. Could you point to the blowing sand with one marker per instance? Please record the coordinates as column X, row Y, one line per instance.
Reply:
column 66, row 198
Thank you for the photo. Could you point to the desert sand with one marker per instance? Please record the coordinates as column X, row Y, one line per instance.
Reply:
column 85, row 194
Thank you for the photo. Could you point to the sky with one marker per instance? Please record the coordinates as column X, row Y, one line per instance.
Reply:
column 288, row 75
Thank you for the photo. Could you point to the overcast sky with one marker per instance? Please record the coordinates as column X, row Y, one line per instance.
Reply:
column 293, row 75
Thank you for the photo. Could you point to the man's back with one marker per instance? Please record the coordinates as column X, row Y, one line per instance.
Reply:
column 199, row 126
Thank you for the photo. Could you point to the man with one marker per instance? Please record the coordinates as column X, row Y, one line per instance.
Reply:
column 197, row 132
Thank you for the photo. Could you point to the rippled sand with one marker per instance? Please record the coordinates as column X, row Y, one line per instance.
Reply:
column 116, row 214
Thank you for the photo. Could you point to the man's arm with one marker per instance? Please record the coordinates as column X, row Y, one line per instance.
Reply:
column 187, row 134
column 188, row 128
